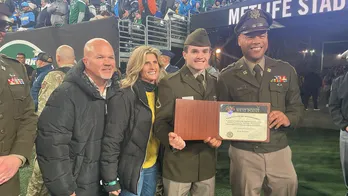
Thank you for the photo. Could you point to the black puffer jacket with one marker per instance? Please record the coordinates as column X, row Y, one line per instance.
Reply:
column 126, row 136
column 70, row 132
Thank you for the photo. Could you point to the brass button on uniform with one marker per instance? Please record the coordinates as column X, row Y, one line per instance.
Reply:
column 2, row 131
column 1, row 116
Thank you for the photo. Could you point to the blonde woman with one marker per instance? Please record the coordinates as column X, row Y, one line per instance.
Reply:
column 129, row 149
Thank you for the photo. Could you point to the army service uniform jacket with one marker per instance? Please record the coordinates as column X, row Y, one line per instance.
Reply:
column 279, row 87
column 196, row 162
column 17, row 117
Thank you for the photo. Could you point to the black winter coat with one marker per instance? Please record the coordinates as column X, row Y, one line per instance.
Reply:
column 70, row 131
column 126, row 136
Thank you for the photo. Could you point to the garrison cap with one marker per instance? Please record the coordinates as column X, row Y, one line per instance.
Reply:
column 168, row 53
column 199, row 38
column 253, row 20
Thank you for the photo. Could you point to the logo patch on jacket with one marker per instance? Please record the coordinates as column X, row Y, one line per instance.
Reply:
column 279, row 79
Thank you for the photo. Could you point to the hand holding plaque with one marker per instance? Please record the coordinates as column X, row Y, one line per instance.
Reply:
column 176, row 141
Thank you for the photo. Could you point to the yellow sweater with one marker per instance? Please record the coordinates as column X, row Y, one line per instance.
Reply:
column 153, row 144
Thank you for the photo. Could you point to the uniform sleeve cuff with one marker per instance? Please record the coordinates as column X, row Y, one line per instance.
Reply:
column 22, row 158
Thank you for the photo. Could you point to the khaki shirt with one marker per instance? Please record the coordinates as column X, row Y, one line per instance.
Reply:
column 251, row 65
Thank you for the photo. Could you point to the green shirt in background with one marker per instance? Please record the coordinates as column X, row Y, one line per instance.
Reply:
column 77, row 9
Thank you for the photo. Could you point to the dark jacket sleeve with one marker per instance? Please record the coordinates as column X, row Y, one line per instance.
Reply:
column 335, row 105
column 55, row 127
column 26, row 132
column 117, row 123
column 294, row 107
column 165, row 107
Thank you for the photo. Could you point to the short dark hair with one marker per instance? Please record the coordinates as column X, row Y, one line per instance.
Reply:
column 186, row 48
column 20, row 53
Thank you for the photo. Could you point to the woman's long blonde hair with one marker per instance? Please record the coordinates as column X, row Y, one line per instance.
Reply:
column 136, row 63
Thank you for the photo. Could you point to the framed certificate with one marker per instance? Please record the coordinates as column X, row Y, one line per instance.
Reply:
column 198, row 120
column 244, row 121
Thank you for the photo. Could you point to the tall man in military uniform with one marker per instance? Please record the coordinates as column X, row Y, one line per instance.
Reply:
column 17, row 117
column 258, row 78
column 165, row 58
column 188, row 167
column 65, row 57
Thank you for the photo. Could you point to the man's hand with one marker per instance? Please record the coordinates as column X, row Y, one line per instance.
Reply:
column 74, row 194
column 176, row 141
column 277, row 119
column 125, row 14
column 213, row 142
column 115, row 192
column 9, row 166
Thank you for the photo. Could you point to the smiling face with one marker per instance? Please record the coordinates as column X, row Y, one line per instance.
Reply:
column 254, row 45
column 197, row 57
column 150, row 71
column 100, row 61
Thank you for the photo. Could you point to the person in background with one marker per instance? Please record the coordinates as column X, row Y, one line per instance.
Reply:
column 27, row 18
column 338, row 107
column 327, row 82
column 65, row 58
column 216, row 5
column 77, row 11
column 137, row 18
column 21, row 58
column 44, row 17
column 17, row 117
column 44, row 65
column 196, row 7
column 104, row 6
column 166, row 56
column 59, row 11
column 184, row 8
column 311, row 86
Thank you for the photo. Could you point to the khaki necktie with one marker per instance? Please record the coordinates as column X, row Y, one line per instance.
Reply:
column 200, row 79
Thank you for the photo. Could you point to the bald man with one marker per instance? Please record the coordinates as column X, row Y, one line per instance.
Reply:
column 71, row 125
column 65, row 57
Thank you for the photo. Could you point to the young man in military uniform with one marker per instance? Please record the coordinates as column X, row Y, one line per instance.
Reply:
column 65, row 58
column 258, row 78
column 188, row 167
column 17, row 117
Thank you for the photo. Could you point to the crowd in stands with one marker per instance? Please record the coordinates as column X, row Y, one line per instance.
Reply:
column 31, row 14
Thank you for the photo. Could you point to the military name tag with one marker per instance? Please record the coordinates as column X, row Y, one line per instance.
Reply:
column 244, row 122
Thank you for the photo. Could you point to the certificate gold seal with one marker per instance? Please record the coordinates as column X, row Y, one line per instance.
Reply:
column 229, row 134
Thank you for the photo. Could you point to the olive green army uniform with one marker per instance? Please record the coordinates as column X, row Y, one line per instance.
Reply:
column 18, row 120
column 253, row 165
column 191, row 169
